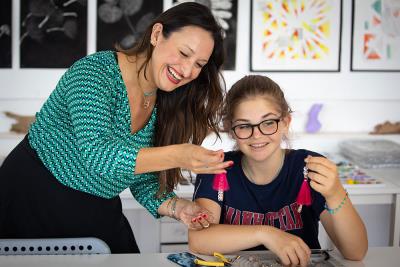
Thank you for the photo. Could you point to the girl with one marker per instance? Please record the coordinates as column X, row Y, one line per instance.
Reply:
column 260, row 208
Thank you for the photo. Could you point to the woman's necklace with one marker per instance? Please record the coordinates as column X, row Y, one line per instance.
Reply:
column 146, row 95
column 247, row 173
column 146, row 98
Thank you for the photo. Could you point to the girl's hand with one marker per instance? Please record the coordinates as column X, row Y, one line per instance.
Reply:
column 201, row 160
column 290, row 249
column 193, row 215
column 324, row 176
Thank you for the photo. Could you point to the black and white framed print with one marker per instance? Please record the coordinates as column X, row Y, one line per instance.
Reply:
column 5, row 33
column 121, row 23
column 375, row 35
column 53, row 34
column 295, row 35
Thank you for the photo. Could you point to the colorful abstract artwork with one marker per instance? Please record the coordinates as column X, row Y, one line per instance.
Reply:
column 376, row 35
column 295, row 35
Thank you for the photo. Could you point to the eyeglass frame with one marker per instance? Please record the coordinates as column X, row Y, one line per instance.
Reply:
column 258, row 126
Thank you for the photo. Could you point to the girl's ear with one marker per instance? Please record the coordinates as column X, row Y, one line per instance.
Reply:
column 286, row 122
column 156, row 33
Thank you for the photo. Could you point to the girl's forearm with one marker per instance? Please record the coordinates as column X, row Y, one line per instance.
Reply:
column 225, row 238
column 349, row 233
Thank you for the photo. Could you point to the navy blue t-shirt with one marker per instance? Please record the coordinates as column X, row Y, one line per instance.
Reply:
column 272, row 204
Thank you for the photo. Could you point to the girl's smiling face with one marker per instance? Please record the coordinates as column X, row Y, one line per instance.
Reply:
column 258, row 146
column 178, row 59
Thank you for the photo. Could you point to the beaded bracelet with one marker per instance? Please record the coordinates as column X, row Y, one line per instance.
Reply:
column 173, row 207
column 335, row 210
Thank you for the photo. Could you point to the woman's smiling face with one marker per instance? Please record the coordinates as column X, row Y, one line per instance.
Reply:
column 178, row 59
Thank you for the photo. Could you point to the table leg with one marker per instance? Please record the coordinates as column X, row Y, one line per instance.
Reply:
column 395, row 231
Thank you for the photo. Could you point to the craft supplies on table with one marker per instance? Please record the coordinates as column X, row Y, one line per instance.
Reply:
column 319, row 258
column 352, row 176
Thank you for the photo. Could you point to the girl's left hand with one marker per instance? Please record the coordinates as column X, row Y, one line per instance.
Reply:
column 324, row 177
column 193, row 215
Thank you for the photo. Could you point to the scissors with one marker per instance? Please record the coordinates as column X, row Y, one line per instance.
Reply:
column 223, row 261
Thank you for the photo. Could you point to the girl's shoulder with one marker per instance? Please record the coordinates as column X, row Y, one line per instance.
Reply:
column 294, row 159
column 235, row 156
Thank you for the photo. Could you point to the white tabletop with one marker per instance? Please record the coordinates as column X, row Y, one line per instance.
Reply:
column 389, row 174
column 387, row 257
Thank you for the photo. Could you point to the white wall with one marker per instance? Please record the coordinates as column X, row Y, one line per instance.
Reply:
column 353, row 101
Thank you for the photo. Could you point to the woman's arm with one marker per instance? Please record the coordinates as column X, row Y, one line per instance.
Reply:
column 90, row 106
column 344, row 226
column 226, row 238
column 186, row 156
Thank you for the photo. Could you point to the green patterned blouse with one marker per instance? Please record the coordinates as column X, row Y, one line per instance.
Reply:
column 83, row 135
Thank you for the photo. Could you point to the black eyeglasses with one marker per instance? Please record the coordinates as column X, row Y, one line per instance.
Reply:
column 267, row 127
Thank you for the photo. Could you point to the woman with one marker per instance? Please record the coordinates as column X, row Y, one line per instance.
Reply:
column 118, row 120
column 262, row 209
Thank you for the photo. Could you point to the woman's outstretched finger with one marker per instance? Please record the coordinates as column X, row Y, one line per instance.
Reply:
column 210, row 156
column 203, row 221
column 195, row 224
column 215, row 168
column 199, row 223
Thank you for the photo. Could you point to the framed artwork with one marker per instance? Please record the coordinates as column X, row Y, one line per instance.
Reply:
column 295, row 35
column 5, row 33
column 375, row 35
column 123, row 22
column 53, row 34
column 225, row 12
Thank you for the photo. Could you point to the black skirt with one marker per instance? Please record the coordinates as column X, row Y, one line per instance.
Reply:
column 34, row 204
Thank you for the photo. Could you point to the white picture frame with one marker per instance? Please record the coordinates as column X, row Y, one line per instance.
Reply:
column 295, row 35
column 375, row 35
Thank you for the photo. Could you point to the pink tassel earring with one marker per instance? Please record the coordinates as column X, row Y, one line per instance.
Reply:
column 304, row 196
column 220, row 184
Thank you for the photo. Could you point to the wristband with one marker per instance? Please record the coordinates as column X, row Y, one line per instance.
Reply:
column 173, row 207
column 335, row 210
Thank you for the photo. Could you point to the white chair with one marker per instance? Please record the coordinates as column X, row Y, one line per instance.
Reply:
column 53, row 246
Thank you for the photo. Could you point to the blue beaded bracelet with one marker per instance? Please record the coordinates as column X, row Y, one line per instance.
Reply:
column 335, row 210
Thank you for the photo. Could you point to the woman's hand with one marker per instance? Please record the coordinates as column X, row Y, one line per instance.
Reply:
column 290, row 249
column 324, row 177
column 201, row 160
column 191, row 214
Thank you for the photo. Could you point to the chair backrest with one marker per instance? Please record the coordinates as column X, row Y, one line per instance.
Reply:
column 53, row 246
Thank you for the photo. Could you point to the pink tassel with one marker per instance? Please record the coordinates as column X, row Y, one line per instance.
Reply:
column 220, row 184
column 304, row 196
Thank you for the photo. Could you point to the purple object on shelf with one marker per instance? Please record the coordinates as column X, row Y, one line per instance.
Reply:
column 313, row 124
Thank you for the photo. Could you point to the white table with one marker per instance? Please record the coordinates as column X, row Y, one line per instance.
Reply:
column 392, row 177
column 387, row 256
